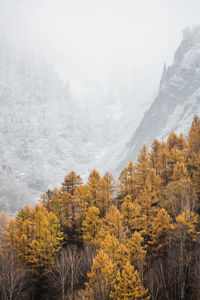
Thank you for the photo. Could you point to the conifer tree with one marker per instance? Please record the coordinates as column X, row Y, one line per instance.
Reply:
column 163, row 165
column 93, row 184
column 154, row 155
column 128, row 285
column 36, row 236
column 105, row 193
column 194, row 136
column 137, row 252
column 71, row 182
column 132, row 216
column 101, row 277
column 127, row 182
column 188, row 222
column 117, row 252
column 91, row 225
column 181, row 142
column 159, row 238
column 172, row 141
column 179, row 194
column 180, row 172
column 112, row 223
column 142, row 168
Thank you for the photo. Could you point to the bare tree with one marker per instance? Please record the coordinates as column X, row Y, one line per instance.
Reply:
column 68, row 272
column 13, row 277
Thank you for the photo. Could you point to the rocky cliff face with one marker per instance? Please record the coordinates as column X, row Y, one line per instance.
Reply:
column 177, row 101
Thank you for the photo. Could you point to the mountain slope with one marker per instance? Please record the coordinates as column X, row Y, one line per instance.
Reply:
column 177, row 101
column 46, row 130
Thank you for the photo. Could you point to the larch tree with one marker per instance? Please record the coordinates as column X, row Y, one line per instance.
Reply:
column 127, row 182
column 194, row 136
column 36, row 236
column 159, row 238
column 71, row 182
column 91, row 225
column 105, row 193
column 142, row 168
column 128, row 285
column 154, row 155
column 132, row 216
column 137, row 252
column 117, row 252
column 93, row 184
column 112, row 223
column 101, row 277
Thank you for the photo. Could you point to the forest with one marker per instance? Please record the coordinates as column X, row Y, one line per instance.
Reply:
column 137, row 238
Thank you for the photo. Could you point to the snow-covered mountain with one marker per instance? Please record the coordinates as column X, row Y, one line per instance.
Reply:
column 177, row 101
column 48, row 129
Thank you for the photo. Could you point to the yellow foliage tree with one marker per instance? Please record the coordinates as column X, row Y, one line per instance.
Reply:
column 101, row 277
column 93, row 184
column 112, row 223
column 132, row 216
column 128, row 285
column 159, row 238
column 91, row 225
column 187, row 222
column 71, row 182
column 118, row 252
column 137, row 252
column 127, row 182
column 105, row 193
column 36, row 236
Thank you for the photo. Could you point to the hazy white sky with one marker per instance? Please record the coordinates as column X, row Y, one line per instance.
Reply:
column 121, row 44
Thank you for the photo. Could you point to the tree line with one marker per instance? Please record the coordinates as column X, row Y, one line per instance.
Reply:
column 138, row 238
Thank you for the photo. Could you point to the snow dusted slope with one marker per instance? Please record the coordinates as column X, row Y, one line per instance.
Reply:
column 177, row 101
column 48, row 129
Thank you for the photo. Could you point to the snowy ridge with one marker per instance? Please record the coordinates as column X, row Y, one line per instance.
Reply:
column 177, row 101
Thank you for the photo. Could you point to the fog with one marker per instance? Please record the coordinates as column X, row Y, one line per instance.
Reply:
column 118, row 45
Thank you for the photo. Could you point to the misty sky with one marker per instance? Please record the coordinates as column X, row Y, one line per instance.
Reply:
column 119, row 44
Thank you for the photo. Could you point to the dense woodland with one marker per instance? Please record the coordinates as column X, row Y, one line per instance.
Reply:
column 135, row 239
